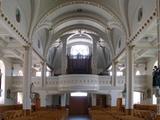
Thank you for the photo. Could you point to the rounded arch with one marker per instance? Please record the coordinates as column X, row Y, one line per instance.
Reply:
column 3, row 71
column 70, row 6
column 81, row 26
column 118, row 26
column 98, row 17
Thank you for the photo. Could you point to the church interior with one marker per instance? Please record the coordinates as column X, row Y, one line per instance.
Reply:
column 79, row 59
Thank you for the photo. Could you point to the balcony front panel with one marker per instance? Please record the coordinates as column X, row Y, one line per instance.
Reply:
column 78, row 82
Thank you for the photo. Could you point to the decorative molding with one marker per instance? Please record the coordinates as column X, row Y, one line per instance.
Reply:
column 141, row 29
column 9, row 24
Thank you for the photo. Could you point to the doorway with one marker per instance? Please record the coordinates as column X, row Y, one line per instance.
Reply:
column 78, row 105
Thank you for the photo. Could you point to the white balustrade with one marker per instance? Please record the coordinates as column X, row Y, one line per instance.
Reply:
column 79, row 82
column 105, row 81
column 120, row 81
column 52, row 82
column 37, row 82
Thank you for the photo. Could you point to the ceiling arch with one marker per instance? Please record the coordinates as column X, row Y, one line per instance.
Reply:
column 81, row 26
column 91, row 15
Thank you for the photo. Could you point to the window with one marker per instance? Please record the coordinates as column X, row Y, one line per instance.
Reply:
column 156, row 63
column 18, row 15
column 19, row 98
column 140, row 14
column 136, row 97
column 138, row 72
column 2, row 87
column 119, row 43
column 79, row 50
column 119, row 73
column 20, row 73
column 39, row 44
column 79, row 94
column 48, row 73
column 38, row 74
column 154, row 99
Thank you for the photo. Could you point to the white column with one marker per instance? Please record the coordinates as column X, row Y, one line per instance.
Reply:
column 63, row 100
column 43, row 99
column 27, row 77
column 129, row 77
column 94, row 99
column 44, row 69
column 64, row 57
column 114, row 73
column 94, row 56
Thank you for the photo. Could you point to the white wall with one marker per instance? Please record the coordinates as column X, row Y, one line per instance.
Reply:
column 134, row 5
column 114, row 96
column 17, row 68
column 9, row 8
column 42, row 37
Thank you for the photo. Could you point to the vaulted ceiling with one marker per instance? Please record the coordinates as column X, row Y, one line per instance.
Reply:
column 45, row 22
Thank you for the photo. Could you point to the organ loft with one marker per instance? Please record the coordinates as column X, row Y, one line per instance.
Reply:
column 79, row 59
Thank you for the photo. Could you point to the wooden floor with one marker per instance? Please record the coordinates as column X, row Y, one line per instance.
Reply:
column 78, row 118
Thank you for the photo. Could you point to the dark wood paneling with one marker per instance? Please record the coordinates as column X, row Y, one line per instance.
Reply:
column 101, row 100
column 145, row 107
column 78, row 106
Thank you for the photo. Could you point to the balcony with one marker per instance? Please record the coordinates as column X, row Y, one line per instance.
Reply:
column 79, row 82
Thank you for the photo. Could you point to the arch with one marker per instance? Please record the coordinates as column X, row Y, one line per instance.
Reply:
column 93, row 6
column 54, row 19
column 81, row 26
column 2, row 97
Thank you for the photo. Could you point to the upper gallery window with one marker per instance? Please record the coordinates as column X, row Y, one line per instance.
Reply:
column 18, row 15
column 140, row 14
column 79, row 50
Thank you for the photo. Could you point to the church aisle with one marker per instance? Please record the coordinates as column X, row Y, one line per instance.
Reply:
column 78, row 118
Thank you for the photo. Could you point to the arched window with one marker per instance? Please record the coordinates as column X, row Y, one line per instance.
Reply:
column 38, row 74
column 136, row 97
column 79, row 50
column 2, row 67
column 20, row 73
column 119, row 73
column 156, row 63
column 138, row 72
column 19, row 97
column 154, row 99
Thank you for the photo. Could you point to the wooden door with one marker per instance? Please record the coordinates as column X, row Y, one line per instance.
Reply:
column 78, row 106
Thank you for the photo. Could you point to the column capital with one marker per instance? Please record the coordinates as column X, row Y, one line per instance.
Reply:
column 43, row 62
column 26, row 47
column 114, row 62
column 108, row 29
column 130, row 46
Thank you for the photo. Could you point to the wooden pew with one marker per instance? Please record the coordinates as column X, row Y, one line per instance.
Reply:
column 51, row 114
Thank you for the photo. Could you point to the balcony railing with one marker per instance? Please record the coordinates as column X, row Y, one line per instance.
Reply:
column 79, row 82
